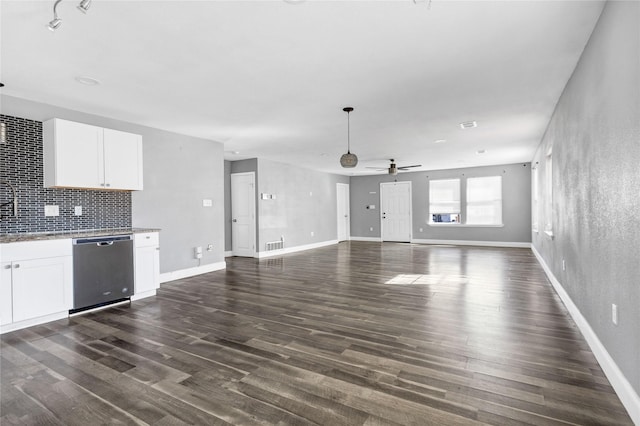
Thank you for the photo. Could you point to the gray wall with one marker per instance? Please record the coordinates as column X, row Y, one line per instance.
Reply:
column 306, row 201
column 516, row 204
column 595, row 135
column 179, row 171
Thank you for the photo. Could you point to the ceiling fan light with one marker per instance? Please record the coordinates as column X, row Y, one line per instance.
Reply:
column 348, row 160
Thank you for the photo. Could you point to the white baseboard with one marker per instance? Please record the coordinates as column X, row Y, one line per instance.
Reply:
column 373, row 239
column 263, row 254
column 190, row 272
column 628, row 396
column 33, row 321
column 142, row 295
column 228, row 253
column 514, row 244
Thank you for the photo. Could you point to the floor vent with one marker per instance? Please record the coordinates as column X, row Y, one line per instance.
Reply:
column 275, row 245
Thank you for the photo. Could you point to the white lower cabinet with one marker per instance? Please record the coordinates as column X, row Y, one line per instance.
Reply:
column 36, row 282
column 6, row 298
column 147, row 264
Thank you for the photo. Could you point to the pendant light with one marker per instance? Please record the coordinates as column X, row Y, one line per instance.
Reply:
column 348, row 160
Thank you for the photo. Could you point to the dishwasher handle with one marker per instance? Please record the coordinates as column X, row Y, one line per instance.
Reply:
column 104, row 243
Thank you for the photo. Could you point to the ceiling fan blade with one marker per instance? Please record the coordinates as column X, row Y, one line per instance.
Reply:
column 408, row 167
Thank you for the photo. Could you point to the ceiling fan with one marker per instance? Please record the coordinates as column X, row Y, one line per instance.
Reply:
column 393, row 168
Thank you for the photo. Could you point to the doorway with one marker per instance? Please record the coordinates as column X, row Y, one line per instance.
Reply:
column 243, row 214
column 344, row 218
column 395, row 211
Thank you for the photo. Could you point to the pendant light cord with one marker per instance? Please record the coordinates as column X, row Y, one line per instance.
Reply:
column 348, row 132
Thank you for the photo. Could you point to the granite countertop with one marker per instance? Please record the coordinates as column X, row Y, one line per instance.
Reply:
column 37, row 236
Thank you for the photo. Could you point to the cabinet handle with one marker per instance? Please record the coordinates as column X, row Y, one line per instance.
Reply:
column 157, row 248
column 148, row 237
column 7, row 267
column 17, row 265
column 102, row 184
column 108, row 184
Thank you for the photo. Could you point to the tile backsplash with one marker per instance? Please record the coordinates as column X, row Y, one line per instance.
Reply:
column 21, row 165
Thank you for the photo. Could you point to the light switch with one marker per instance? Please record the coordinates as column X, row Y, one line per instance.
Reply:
column 77, row 211
column 51, row 210
column 207, row 202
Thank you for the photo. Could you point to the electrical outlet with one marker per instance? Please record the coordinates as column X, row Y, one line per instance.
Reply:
column 210, row 247
column 197, row 252
column 77, row 210
column 51, row 210
column 207, row 202
column 420, row 229
column 312, row 233
column 614, row 313
column 371, row 228
column 564, row 265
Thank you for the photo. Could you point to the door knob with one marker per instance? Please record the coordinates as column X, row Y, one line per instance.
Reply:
column 235, row 220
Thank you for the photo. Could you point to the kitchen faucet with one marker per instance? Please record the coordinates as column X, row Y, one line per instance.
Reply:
column 13, row 202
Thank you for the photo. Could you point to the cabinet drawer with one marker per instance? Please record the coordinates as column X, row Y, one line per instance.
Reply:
column 35, row 249
column 146, row 239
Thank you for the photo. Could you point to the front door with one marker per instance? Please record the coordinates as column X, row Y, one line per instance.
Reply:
column 395, row 211
column 243, row 214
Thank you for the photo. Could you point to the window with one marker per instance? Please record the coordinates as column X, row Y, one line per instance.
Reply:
column 548, row 196
column 534, row 199
column 484, row 201
column 444, row 201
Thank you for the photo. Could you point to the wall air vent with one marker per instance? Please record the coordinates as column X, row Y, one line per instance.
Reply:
column 468, row 124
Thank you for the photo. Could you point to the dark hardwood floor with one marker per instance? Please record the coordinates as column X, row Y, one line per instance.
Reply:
column 352, row 334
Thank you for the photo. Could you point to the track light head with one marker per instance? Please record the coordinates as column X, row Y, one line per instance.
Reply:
column 54, row 24
column 84, row 6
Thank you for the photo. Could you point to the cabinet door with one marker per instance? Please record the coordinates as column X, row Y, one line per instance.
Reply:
column 122, row 160
column 147, row 269
column 6, row 309
column 78, row 155
column 41, row 287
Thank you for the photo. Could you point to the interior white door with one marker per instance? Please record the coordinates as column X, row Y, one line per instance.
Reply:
column 395, row 211
column 344, row 228
column 243, row 214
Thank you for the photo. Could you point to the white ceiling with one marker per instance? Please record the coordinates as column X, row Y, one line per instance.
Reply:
column 270, row 78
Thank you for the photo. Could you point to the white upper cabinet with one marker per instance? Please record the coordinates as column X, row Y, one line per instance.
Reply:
column 122, row 160
column 78, row 155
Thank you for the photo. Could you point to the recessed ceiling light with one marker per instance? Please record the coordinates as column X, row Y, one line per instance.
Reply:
column 468, row 124
column 87, row 81
column 440, row 141
column 480, row 151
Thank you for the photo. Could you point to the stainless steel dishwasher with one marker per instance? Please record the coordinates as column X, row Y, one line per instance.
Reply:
column 102, row 271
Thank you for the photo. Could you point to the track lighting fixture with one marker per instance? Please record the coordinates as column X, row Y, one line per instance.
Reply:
column 84, row 6
column 55, row 22
column 53, row 25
